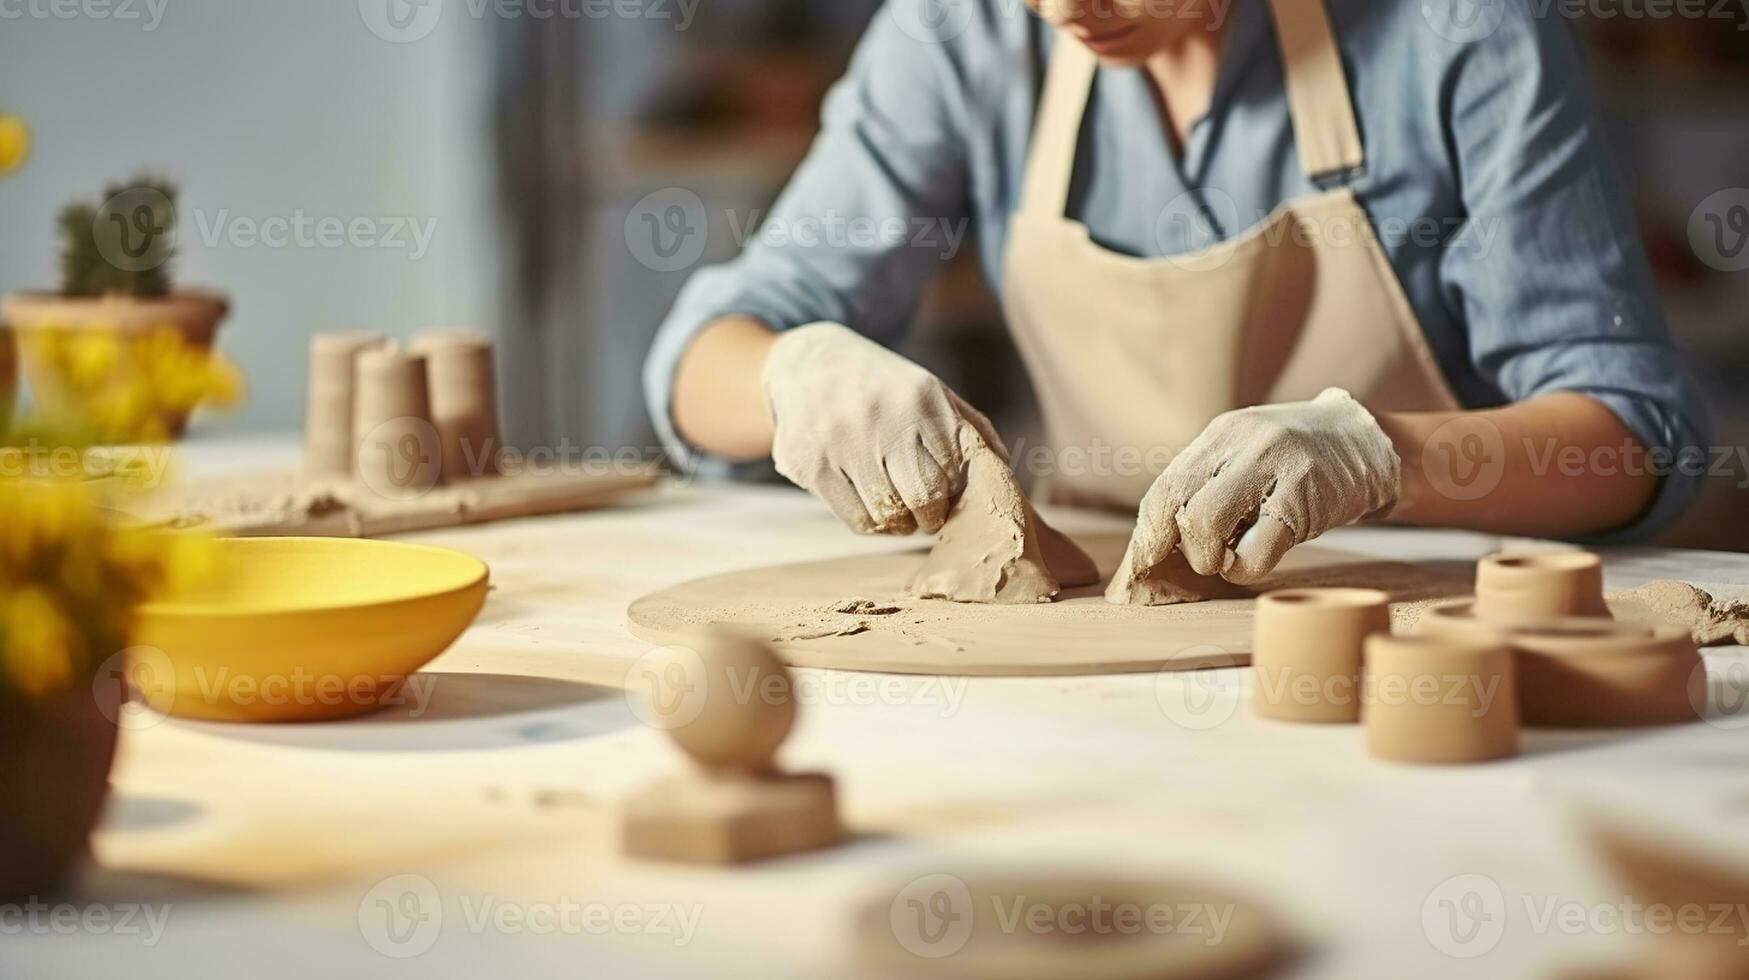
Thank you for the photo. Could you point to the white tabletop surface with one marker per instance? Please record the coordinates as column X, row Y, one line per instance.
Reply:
column 263, row 851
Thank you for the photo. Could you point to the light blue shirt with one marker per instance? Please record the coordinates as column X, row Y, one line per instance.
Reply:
column 1486, row 178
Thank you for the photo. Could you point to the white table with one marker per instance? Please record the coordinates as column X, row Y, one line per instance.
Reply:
column 262, row 845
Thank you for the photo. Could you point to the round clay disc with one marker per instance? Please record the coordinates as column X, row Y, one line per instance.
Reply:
column 854, row 613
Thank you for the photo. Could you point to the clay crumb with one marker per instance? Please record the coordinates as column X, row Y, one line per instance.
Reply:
column 1711, row 621
column 862, row 607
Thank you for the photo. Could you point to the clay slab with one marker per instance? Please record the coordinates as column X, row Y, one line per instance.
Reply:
column 854, row 613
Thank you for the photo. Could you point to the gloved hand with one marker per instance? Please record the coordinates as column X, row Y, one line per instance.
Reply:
column 1258, row 481
column 867, row 431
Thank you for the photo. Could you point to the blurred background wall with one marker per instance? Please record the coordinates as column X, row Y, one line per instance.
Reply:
column 260, row 110
column 531, row 146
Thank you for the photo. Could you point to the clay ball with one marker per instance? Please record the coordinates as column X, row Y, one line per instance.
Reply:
column 727, row 702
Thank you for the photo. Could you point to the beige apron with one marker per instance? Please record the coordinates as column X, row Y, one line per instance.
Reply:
column 1131, row 357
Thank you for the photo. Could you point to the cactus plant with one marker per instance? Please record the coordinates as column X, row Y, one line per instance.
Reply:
column 122, row 245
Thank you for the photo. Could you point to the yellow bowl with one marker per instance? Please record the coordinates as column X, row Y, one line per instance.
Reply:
column 304, row 629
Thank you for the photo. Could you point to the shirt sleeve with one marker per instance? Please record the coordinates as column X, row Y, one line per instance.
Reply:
column 1548, row 271
column 878, row 203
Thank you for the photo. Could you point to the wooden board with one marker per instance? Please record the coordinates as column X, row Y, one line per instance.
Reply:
column 285, row 502
column 1079, row 633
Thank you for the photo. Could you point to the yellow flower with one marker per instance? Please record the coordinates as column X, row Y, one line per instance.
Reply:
column 70, row 580
column 14, row 143
column 130, row 387
column 41, row 644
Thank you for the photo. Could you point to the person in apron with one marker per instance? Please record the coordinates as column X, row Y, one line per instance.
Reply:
column 1245, row 392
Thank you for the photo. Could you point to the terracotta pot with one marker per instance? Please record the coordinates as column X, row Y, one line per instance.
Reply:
column 1438, row 699
column 1540, row 585
column 1306, row 652
column 55, row 755
column 194, row 315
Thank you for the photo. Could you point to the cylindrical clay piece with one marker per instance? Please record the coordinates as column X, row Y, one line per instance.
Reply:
column 398, row 454
column 464, row 401
column 1306, row 652
column 1592, row 673
column 1433, row 699
column 1457, row 618
column 1541, row 585
column 328, row 447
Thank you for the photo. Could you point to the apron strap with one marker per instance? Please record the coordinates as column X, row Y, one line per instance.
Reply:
column 1325, row 133
column 1056, row 131
column 1317, row 92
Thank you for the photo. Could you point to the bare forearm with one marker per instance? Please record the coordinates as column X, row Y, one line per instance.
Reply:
column 1554, row 466
column 719, row 405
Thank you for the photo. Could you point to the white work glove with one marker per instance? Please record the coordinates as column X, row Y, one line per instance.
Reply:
column 867, row 431
column 1258, row 481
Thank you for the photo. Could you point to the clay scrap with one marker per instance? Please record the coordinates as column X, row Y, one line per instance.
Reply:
column 1710, row 621
column 994, row 546
column 1171, row 582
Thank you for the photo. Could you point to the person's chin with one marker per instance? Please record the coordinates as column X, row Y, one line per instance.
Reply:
column 1119, row 52
column 1120, row 59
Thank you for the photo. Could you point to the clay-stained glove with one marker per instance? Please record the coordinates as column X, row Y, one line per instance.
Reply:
column 1258, row 481
column 867, row 431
